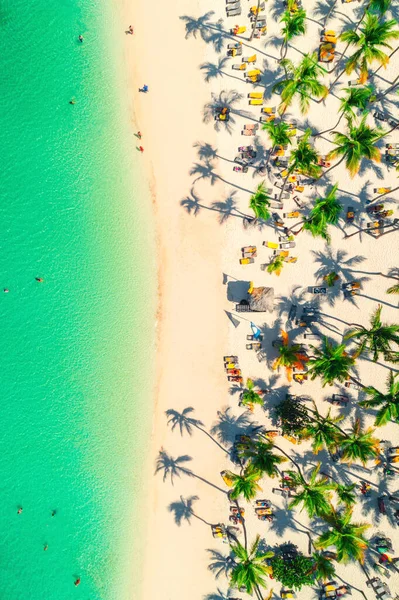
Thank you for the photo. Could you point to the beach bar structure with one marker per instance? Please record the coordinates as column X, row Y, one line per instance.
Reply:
column 259, row 299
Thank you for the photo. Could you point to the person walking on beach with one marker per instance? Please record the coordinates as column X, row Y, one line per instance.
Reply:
column 139, row 135
column 141, row 149
column 131, row 31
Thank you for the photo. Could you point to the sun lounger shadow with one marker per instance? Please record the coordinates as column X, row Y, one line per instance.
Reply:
column 236, row 322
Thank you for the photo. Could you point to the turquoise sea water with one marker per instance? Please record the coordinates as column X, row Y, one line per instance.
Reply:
column 77, row 349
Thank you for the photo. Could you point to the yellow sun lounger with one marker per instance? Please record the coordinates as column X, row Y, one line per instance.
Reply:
column 246, row 261
column 257, row 95
column 382, row 190
column 291, row 259
column 268, row 110
column 253, row 73
column 254, row 79
column 272, row 245
column 292, row 215
column 256, row 102
column 292, row 179
column 299, row 188
column 238, row 29
column 249, row 59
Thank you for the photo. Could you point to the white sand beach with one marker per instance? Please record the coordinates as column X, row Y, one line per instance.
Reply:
column 199, row 203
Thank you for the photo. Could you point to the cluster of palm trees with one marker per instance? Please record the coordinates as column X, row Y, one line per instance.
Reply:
column 333, row 362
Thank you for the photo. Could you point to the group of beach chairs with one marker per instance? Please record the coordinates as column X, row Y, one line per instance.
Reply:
column 328, row 42
column 249, row 254
column 232, row 369
column 263, row 510
column 233, row 8
column 331, row 589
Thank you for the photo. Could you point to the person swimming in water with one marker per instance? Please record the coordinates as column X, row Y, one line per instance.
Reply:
column 77, row 581
column 45, row 547
column 80, row 38
column 39, row 279
column 53, row 513
column 19, row 511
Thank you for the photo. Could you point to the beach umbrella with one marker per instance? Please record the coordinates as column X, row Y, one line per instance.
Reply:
column 255, row 330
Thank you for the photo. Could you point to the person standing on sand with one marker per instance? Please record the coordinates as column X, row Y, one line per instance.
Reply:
column 141, row 149
column 139, row 135
column 131, row 31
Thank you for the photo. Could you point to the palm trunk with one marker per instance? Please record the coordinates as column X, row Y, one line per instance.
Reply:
column 384, row 194
column 258, row 592
column 284, row 184
column 256, row 21
column 391, row 228
column 393, row 85
column 284, row 49
column 335, row 80
column 296, row 225
column 331, row 168
column 191, row 474
column 332, row 128
column 290, row 459
column 380, row 67
column 270, row 154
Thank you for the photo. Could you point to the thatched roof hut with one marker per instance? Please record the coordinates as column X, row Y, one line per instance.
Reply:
column 261, row 299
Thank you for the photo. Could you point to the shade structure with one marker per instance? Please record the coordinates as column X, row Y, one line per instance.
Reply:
column 261, row 299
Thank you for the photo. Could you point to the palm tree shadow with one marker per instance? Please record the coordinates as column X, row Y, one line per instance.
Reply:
column 172, row 467
column 228, row 208
column 183, row 510
column 215, row 70
column 228, row 426
column 210, row 32
column 221, row 564
column 225, row 99
column 219, row 595
column 206, row 151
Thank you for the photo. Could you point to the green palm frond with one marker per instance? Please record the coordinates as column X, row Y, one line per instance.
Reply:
column 260, row 203
column 331, row 363
column 388, row 401
column 359, row 445
column 347, row 537
column 378, row 339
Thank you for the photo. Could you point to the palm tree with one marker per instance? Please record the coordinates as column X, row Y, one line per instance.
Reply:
column 357, row 144
column 358, row 445
column 249, row 396
column 332, row 363
column 377, row 339
column 389, row 402
column 290, row 356
column 260, row 203
column 347, row 537
column 304, row 159
column 185, row 422
column 374, row 34
column 244, row 485
column 262, row 457
column 275, row 265
column 345, row 493
column 301, row 81
column 250, row 568
column 325, row 212
column 323, row 568
column 314, row 494
column 279, row 134
column 323, row 431
column 355, row 98
column 331, row 278
column 294, row 24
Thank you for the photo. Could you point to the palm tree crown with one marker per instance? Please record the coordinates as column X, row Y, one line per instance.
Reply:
column 325, row 211
column 244, row 485
column 294, row 24
column 250, row 569
column 279, row 133
column 323, row 431
column 289, row 356
column 262, row 457
column 314, row 494
column 249, row 396
column 378, row 338
column 276, row 265
column 331, row 363
column 302, row 82
column 357, row 144
column 358, row 445
column 373, row 35
column 260, row 202
column 389, row 402
column 347, row 537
